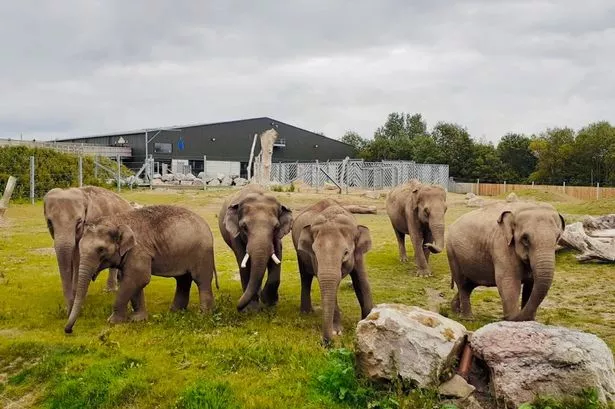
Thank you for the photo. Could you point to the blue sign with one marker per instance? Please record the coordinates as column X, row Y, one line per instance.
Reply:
column 180, row 144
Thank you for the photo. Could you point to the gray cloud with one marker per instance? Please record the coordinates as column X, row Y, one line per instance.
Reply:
column 85, row 66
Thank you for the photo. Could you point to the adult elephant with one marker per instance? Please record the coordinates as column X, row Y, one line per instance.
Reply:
column 505, row 245
column 418, row 210
column 252, row 223
column 66, row 211
column 330, row 245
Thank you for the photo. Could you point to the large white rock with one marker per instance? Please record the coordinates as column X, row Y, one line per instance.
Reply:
column 399, row 340
column 240, row 181
column 475, row 202
column 190, row 176
column 201, row 175
column 512, row 197
column 529, row 358
column 220, row 176
column 470, row 195
column 213, row 182
column 169, row 177
column 226, row 181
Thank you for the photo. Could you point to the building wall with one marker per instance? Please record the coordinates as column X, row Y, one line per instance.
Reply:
column 230, row 141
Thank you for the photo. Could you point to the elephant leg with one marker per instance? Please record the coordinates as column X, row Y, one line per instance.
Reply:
column 456, row 303
column 464, row 292
column 269, row 293
column 423, row 269
column 128, row 288
column 527, row 291
column 202, row 276
column 509, row 288
column 182, row 292
column 337, row 320
column 306, row 286
column 401, row 243
column 112, row 280
column 138, row 305
column 362, row 290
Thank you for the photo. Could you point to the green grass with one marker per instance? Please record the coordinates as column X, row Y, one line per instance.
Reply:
column 269, row 359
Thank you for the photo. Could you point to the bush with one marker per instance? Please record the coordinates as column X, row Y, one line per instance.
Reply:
column 51, row 168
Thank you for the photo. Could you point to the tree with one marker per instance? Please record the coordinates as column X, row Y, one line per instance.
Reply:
column 456, row 148
column 487, row 165
column 515, row 153
column 425, row 150
column 355, row 140
column 554, row 150
column 593, row 152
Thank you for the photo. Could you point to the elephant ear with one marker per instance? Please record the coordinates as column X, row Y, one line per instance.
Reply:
column 561, row 218
column 231, row 219
column 506, row 222
column 306, row 239
column 363, row 240
column 125, row 239
column 285, row 216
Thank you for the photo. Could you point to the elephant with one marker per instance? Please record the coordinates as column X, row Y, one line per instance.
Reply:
column 418, row 210
column 252, row 223
column 331, row 245
column 505, row 245
column 66, row 211
column 160, row 240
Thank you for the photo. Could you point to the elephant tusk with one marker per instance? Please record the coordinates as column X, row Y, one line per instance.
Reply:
column 244, row 262
column 275, row 259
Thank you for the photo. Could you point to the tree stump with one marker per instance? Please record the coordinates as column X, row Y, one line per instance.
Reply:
column 594, row 245
column 6, row 197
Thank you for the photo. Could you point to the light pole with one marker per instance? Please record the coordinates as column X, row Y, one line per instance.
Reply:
column 147, row 142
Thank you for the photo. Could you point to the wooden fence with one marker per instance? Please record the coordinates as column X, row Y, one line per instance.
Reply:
column 579, row 192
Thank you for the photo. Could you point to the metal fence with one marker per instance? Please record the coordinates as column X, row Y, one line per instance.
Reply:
column 356, row 173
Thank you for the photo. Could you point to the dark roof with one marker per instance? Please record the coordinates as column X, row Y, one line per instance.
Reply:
column 140, row 131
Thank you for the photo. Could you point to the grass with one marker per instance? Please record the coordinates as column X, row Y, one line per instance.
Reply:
column 228, row 359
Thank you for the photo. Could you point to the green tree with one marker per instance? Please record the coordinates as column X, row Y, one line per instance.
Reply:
column 355, row 140
column 456, row 148
column 515, row 153
column 554, row 149
column 486, row 164
column 594, row 150
column 425, row 150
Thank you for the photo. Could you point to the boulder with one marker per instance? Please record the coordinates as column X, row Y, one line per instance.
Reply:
column 410, row 342
column 372, row 195
column 157, row 182
column 157, row 176
column 470, row 195
column 220, row 176
column 180, row 176
column 240, row 181
column 512, row 197
column 529, row 358
column 214, row 182
column 456, row 387
column 330, row 186
column 201, row 175
column 190, row 176
column 168, row 177
column 226, row 181
column 475, row 202
column 186, row 182
column 198, row 182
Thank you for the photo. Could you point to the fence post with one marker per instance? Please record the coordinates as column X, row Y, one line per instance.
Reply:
column 96, row 166
column 477, row 187
column 205, row 172
column 564, row 186
column 505, row 187
column 119, row 172
column 317, row 176
column 597, row 190
column 32, row 179
column 532, row 184
column 80, row 171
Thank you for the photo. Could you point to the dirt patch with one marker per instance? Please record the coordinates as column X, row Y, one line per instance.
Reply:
column 44, row 251
column 10, row 333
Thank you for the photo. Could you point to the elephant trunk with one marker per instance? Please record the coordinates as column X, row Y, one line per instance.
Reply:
column 543, row 270
column 65, row 248
column 258, row 259
column 437, row 233
column 328, row 280
column 85, row 276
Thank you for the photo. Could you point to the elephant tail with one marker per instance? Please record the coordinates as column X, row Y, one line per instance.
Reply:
column 452, row 282
column 213, row 264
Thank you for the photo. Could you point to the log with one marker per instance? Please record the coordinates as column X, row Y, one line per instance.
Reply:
column 8, row 192
column 599, row 223
column 360, row 209
column 591, row 248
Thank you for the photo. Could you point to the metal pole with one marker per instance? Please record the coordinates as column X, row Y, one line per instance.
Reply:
column 317, row 175
column 96, row 166
column 32, row 179
column 145, row 161
column 80, row 171
column 597, row 190
column 564, row 187
column 204, row 172
column 119, row 172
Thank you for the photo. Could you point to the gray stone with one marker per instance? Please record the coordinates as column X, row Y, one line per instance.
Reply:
column 190, row 176
column 180, row 176
column 226, row 181
column 475, row 202
column 197, row 182
column 201, row 175
column 240, row 181
column 529, row 358
column 220, row 176
column 470, row 195
column 410, row 342
column 157, row 182
column 512, row 197
column 168, row 177
column 214, row 182
column 186, row 182
column 456, row 387
column 157, row 176
column 372, row 195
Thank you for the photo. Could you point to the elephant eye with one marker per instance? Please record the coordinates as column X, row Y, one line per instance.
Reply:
column 100, row 249
column 525, row 239
column 426, row 210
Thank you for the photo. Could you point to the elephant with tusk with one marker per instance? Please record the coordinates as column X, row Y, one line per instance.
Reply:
column 252, row 223
column 418, row 210
column 331, row 245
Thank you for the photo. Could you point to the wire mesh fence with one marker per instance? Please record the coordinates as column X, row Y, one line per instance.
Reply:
column 356, row 173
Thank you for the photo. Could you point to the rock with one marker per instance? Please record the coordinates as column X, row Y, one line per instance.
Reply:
column 399, row 340
column 330, row 186
column 201, row 175
column 186, row 182
column 529, row 358
column 198, row 182
column 136, row 205
column 168, row 177
column 240, row 181
column 226, row 181
column 214, row 182
column 233, row 176
column 157, row 182
column 157, row 176
column 470, row 195
column 180, row 176
column 512, row 197
column 475, row 202
column 456, row 387
column 220, row 176
column 190, row 176
column 372, row 195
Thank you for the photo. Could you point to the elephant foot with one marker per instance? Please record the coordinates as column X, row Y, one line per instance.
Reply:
column 467, row 316
column 423, row 272
column 138, row 316
column 307, row 310
column 253, row 306
column 116, row 319
column 403, row 259
column 337, row 328
column 109, row 289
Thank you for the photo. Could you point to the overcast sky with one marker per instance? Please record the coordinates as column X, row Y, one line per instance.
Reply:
column 75, row 67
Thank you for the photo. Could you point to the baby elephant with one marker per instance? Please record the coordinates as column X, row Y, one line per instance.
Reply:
column 167, row 241
column 330, row 245
column 505, row 245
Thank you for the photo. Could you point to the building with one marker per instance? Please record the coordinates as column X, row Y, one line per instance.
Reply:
column 227, row 145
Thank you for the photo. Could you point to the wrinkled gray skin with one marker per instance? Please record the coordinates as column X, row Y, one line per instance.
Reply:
column 418, row 210
column 330, row 245
column 253, row 222
column 66, row 211
column 507, row 245
column 166, row 241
